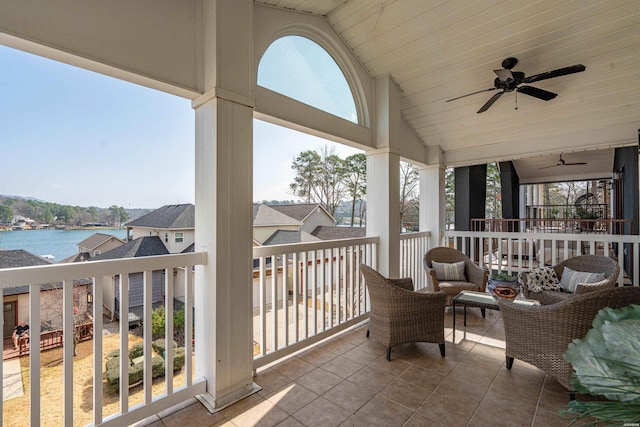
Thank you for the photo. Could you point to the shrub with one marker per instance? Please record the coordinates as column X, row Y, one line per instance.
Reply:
column 178, row 359
column 158, row 346
column 158, row 321
column 137, row 350
column 136, row 371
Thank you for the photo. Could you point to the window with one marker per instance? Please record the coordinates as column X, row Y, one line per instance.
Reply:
column 301, row 69
column 179, row 237
column 96, row 253
column 166, row 237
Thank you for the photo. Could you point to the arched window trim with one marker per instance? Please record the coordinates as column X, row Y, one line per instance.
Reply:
column 341, row 58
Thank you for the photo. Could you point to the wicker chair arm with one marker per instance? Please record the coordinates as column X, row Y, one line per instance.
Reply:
column 404, row 283
column 583, row 288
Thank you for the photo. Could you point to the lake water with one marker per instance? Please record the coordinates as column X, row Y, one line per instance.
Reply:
column 59, row 243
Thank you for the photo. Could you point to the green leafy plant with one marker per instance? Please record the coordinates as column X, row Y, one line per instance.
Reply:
column 606, row 363
column 503, row 277
column 585, row 214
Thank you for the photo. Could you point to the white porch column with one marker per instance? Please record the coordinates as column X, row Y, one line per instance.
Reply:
column 383, row 178
column 433, row 202
column 223, row 219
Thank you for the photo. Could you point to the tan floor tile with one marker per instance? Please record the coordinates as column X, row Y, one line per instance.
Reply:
column 419, row 420
column 421, row 377
column 359, row 355
column 264, row 414
column 321, row 413
column 194, row 415
column 552, row 401
column 349, row 396
column 355, row 337
column 152, row 421
column 294, row 368
column 546, row 418
column 506, row 386
column 337, row 346
column 468, row 373
column 342, row 367
column 406, row 394
column 380, row 411
column 237, row 408
column 494, row 406
column 290, row 422
column 270, row 381
column 317, row 356
column 292, row 397
column 371, row 380
column 496, row 353
column 355, row 421
column 445, row 410
column 393, row 367
column 319, row 380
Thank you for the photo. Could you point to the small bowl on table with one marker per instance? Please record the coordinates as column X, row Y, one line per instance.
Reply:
column 506, row 292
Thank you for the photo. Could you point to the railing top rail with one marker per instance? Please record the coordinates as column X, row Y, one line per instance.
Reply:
column 614, row 238
column 34, row 275
column 261, row 251
column 415, row 234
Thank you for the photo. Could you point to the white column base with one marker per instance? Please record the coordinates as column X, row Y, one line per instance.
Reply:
column 213, row 405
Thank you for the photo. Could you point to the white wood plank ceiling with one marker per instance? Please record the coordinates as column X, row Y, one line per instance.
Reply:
column 440, row 49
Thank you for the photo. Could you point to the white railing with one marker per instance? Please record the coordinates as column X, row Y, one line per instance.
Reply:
column 306, row 292
column 413, row 246
column 102, row 275
column 514, row 252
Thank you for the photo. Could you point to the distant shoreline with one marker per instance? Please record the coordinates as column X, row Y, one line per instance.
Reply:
column 67, row 228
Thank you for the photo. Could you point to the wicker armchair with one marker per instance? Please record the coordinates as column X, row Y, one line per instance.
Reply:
column 399, row 315
column 588, row 263
column 540, row 335
column 476, row 276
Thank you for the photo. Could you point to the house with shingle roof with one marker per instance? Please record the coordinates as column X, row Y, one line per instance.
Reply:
column 173, row 224
column 16, row 299
column 310, row 215
column 166, row 230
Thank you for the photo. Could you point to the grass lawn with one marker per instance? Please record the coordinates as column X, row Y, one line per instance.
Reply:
column 16, row 411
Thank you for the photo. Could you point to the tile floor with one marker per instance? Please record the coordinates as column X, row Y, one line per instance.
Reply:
column 347, row 382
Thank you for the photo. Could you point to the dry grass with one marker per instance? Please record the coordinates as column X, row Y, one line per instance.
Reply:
column 16, row 411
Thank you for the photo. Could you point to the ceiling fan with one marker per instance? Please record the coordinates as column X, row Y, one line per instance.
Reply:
column 561, row 162
column 508, row 81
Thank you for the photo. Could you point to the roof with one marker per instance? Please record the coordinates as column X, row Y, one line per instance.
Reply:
column 168, row 216
column 14, row 258
column 299, row 211
column 264, row 215
column 283, row 237
column 96, row 240
column 79, row 257
column 325, row 232
column 142, row 246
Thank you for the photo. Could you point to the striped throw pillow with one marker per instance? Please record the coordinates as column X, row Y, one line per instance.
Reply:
column 446, row 271
column 571, row 278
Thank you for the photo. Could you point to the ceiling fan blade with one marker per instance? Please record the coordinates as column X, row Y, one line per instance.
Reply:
column 555, row 73
column 552, row 166
column 545, row 95
column 575, row 163
column 472, row 93
column 490, row 102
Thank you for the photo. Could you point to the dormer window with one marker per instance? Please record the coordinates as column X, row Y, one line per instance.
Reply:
column 179, row 237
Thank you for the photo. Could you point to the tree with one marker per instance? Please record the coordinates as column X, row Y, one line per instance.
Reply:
column 409, row 197
column 450, row 196
column 356, row 173
column 320, row 178
column 493, row 205
column 6, row 213
column 93, row 212
column 118, row 215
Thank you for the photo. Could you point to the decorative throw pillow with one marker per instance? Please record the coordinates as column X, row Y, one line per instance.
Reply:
column 543, row 279
column 446, row 271
column 572, row 278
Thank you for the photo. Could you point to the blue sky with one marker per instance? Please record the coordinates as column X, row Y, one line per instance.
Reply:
column 72, row 136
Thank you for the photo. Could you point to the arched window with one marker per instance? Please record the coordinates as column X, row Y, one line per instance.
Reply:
column 301, row 69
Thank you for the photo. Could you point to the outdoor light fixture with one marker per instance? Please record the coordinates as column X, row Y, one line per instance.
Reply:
column 89, row 298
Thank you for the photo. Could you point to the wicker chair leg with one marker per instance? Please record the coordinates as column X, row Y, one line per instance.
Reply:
column 441, row 349
column 388, row 354
column 367, row 333
column 509, row 362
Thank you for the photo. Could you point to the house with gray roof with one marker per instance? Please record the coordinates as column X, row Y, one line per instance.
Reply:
column 16, row 299
column 173, row 224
